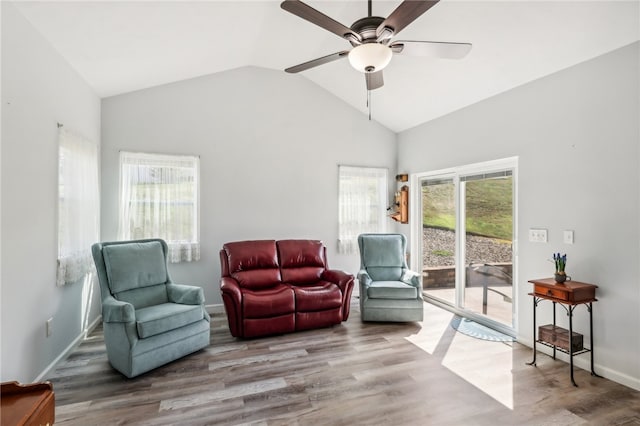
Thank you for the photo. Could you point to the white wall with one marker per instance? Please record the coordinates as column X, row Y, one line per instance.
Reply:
column 577, row 136
column 269, row 146
column 39, row 89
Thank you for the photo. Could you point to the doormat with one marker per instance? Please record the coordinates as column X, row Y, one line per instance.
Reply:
column 479, row 331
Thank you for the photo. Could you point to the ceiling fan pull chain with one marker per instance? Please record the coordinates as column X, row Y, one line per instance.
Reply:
column 369, row 103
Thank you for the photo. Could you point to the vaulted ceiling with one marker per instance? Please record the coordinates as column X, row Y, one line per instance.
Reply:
column 121, row 46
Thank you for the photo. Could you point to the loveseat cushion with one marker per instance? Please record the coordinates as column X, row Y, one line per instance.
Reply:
column 301, row 261
column 254, row 264
column 159, row 319
column 268, row 302
column 391, row 290
column 319, row 297
column 131, row 266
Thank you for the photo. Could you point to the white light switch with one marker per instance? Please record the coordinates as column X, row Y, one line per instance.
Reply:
column 568, row 237
column 537, row 235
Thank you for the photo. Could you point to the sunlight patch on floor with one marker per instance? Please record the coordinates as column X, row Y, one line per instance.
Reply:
column 434, row 325
column 484, row 364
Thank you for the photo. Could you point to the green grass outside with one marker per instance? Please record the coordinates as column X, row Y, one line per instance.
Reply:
column 489, row 207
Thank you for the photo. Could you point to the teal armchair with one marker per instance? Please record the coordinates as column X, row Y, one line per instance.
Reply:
column 148, row 320
column 389, row 290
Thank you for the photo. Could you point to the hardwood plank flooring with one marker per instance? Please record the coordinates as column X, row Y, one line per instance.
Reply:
column 352, row 374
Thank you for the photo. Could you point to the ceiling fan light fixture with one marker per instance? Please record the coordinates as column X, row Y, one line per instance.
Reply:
column 370, row 57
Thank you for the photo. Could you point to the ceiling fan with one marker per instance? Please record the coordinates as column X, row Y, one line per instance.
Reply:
column 370, row 38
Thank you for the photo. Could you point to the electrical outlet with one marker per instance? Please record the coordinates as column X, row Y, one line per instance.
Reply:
column 568, row 237
column 537, row 235
column 49, row 326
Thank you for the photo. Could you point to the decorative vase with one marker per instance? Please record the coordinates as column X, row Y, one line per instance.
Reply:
column 560, row 277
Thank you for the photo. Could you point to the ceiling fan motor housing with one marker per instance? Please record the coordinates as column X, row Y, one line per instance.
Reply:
column 366, row 28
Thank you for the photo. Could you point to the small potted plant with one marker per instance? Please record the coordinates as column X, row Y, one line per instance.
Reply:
column 561, row 262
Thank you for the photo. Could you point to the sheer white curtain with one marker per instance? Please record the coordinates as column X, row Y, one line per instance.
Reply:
column 159, row 197
column 78, row 205
column 362, row 204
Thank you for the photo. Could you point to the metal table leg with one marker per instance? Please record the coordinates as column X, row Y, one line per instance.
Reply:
column 535, row 305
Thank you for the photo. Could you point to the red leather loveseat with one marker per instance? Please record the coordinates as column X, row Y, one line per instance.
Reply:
column 274, row 287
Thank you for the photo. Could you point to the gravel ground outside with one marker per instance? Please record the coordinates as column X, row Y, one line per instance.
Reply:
column 439, row 248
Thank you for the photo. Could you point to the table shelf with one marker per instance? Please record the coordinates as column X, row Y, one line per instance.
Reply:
column 563, row 350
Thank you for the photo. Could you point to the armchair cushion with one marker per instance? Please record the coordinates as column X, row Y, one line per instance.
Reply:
column 134, row 265
column 391, row 290
column 159, row 319
column 383, row 251
column 145, row 296
column 385, row 273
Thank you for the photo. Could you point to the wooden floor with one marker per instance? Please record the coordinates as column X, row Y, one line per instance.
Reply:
column 352, row 374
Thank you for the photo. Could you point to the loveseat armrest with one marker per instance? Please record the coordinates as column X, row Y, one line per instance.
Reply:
column 339, row 278
column 344, row 281
column 117, row 311
column 185, row 294
column 232, row 299
column 411, row 277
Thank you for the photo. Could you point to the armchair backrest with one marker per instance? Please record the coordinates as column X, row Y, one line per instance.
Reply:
column 133, row 271
column 302, row 261
column 383, row 255
column 254, row 264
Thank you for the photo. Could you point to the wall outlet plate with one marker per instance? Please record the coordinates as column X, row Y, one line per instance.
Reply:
column 568, row 237
column 537, row 235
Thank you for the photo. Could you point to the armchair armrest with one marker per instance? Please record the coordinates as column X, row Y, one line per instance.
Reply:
column 116, row 311
column 363, row 278
column 340, row 278
column 185, row 294
column 412, row 278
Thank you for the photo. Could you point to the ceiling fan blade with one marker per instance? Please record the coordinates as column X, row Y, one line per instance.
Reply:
column 435, row 49
column 406, row 13
column 314, row 16
column 319, row 61
column 374, row 80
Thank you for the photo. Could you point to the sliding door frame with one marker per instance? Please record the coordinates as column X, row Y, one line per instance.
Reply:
column 416, row 224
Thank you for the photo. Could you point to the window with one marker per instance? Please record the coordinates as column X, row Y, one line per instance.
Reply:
column 159, row 198
column 362, row 203
column 78, row 206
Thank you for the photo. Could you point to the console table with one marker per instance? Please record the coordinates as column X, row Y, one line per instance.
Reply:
column 569, row 295
column 30, row 404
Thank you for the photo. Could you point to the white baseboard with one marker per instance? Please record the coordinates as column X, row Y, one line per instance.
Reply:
column 68, row 350
column 215, row 309
column 584, row 362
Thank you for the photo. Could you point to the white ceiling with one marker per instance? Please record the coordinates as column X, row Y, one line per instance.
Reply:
column 121, row 46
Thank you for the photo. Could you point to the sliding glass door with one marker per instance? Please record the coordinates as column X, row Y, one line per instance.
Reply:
column 439, row 237
column 465, row 239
